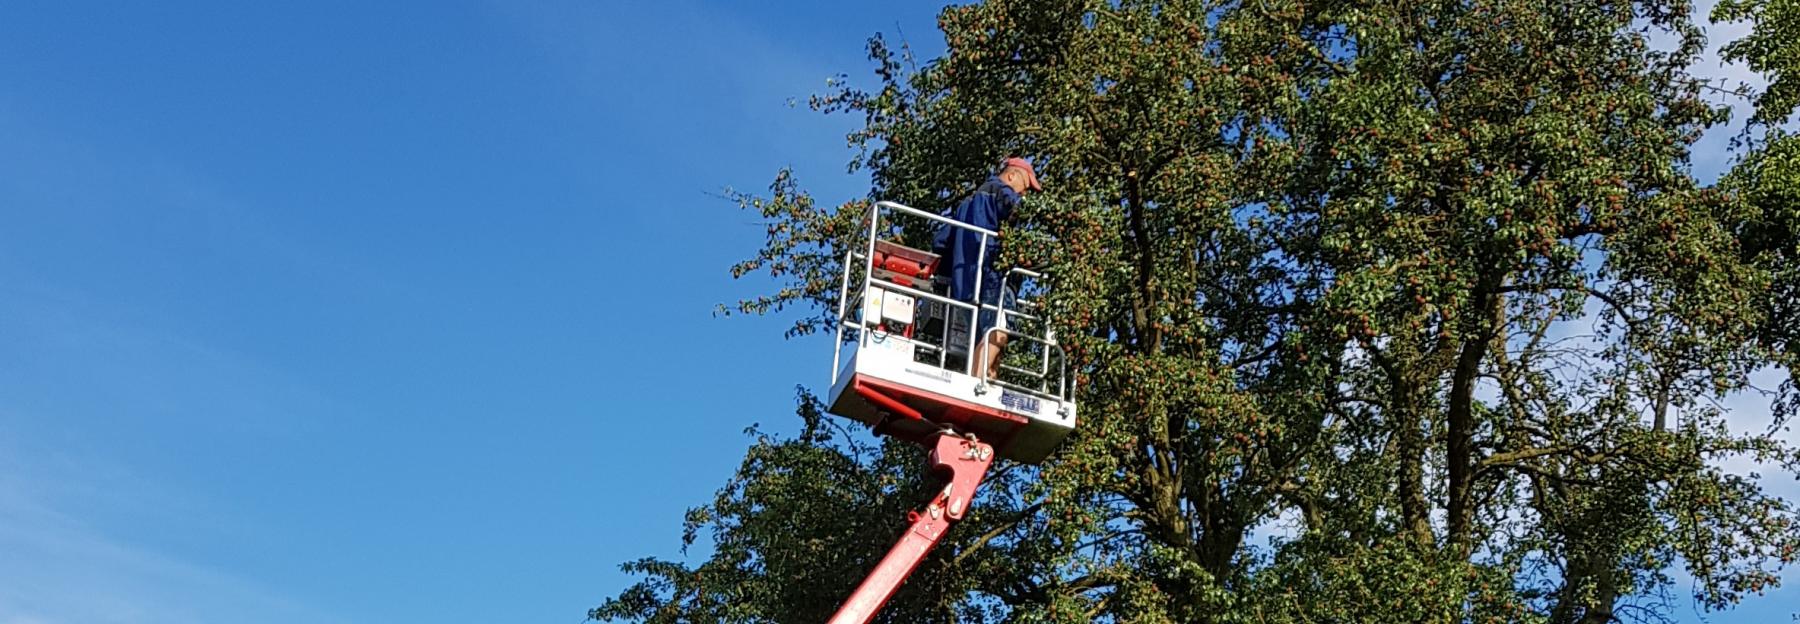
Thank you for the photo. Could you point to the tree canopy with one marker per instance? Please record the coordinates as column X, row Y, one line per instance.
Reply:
column 1382, row 311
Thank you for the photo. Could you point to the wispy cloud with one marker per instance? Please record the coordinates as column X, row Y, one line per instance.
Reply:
column 63, row 567
column 88, row 536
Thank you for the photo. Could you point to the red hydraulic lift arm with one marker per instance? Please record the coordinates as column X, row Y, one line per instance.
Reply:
column 967, row 461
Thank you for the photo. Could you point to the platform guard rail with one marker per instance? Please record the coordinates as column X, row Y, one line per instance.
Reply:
column 849, row 318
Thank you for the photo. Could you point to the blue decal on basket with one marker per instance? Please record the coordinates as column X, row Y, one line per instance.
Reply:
column 1019, row 402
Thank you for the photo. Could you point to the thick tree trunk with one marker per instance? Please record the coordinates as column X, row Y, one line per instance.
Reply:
column 1462, row 437
column 1414, row 511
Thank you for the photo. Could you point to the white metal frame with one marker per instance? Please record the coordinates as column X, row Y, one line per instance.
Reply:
column 853, row 260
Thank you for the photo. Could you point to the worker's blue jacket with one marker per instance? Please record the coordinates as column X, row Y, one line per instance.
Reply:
column 987, row 208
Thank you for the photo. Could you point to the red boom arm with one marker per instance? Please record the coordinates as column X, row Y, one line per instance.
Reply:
column 967, row 461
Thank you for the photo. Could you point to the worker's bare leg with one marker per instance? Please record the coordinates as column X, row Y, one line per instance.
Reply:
column 989, row 361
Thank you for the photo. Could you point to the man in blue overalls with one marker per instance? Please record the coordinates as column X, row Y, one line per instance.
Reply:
column 988, row 208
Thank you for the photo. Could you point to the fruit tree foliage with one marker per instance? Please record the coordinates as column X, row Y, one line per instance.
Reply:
column 1391, row 311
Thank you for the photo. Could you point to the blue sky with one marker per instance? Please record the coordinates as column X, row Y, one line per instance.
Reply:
column 387, row 312
column 378, row 312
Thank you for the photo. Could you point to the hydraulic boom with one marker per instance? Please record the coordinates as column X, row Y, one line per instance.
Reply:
column 965, row 461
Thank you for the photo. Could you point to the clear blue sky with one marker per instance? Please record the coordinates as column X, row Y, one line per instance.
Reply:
column 387, row 312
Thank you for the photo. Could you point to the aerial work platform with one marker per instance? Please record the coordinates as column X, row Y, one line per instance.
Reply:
column 905, row 364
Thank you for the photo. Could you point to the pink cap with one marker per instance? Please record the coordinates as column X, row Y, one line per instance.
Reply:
column 1025, row 165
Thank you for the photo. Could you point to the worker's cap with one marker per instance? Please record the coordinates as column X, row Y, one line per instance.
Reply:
column 1024, row 165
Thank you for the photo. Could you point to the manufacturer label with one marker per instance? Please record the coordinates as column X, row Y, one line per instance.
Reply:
column 935, row 375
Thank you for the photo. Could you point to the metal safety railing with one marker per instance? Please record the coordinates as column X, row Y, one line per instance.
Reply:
column 1044, row 346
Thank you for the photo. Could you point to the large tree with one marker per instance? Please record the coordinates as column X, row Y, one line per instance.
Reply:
column 1382, row 311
